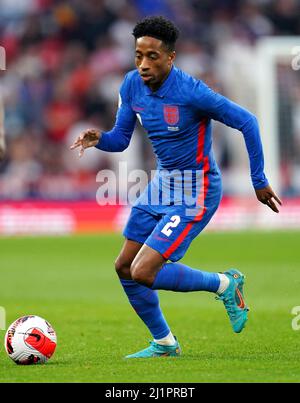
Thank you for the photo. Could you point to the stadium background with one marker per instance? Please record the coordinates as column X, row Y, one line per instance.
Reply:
column 65, row 61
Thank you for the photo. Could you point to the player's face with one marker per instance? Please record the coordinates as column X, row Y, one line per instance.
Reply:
column 153, row 61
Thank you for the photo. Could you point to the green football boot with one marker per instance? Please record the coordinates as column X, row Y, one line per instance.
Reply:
column 233, row 299
column 157, row 350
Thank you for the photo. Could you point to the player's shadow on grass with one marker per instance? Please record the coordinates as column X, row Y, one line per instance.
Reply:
column 213, row 357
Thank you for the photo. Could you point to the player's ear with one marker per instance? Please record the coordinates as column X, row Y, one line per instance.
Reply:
column 172, row 56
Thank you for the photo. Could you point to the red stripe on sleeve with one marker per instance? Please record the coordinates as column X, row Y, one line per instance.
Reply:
column 203, row 191
column 201, row 140
column 199, row 215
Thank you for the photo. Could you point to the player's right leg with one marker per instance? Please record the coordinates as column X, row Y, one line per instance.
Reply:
column 123, row 262
column 144, row 301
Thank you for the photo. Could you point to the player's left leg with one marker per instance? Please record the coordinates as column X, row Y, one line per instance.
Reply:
column 151, row 269
column 148, row 269
column 170, row 242
column 145, row 270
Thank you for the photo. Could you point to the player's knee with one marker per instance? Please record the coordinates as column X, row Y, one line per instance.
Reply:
column 141, row 274
column 122, row 268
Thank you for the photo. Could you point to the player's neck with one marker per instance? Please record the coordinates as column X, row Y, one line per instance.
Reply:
column 156, row 86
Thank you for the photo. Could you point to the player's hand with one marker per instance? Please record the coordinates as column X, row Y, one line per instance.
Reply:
column 88, row 138
column 267, row 196
column 2, row 147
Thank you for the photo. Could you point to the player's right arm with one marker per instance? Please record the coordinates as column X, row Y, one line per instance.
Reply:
column 117, row 139
column 2, row 136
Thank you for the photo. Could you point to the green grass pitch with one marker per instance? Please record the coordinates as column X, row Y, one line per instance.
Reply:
column 71, row 282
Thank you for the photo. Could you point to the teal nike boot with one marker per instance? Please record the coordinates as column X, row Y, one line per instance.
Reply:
column 233, row 299
column 157, row 350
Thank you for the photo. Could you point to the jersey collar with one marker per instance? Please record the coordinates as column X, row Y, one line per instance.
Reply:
column 164, row 88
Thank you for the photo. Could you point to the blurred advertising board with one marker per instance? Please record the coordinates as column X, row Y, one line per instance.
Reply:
column 72, row 217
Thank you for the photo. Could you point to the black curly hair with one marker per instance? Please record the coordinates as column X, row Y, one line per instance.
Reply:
column 157, row 27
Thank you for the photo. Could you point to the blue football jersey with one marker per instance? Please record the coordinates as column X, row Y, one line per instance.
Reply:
column 177, row 118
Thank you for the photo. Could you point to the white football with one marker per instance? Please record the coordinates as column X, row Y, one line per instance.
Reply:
column 30, row 340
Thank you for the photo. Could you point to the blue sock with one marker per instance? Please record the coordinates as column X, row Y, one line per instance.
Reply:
column 178, row 277
column 146, row 304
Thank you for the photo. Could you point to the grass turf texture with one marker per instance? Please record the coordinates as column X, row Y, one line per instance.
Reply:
column 70, row 281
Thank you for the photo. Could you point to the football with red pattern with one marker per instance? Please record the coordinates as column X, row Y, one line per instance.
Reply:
column 30, row 340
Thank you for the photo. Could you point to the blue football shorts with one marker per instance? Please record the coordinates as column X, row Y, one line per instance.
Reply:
column 169, row 229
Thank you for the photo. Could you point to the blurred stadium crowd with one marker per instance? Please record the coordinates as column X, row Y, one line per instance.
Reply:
column 66, row 61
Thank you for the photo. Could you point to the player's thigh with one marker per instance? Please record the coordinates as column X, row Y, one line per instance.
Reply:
column 174, row 233
column 138, row 228
column 140, row 224
column 123, row 262
column 146, row 264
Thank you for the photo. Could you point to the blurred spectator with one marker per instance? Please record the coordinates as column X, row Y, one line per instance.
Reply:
column 23, row 171
column 62, row 111
column 67, row 59
column 285, row 15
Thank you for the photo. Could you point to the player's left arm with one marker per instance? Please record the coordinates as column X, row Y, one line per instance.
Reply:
column 2, row 136
column 224, row 110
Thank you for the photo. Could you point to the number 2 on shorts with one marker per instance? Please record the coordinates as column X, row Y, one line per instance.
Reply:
column 175, row 220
